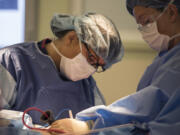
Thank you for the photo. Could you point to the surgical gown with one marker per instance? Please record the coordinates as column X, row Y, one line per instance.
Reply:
column 29, row 78
column 155, row 107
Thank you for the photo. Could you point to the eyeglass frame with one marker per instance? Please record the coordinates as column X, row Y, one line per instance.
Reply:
column 91, row 57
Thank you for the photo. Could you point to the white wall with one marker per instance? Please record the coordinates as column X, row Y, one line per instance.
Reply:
column 46, row 10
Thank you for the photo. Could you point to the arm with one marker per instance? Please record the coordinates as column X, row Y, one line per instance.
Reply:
column 141, row 106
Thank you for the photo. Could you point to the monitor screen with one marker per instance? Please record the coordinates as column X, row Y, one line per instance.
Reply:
column 12, row 26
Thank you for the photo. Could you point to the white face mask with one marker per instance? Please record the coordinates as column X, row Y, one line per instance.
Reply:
column 76, row 68
column 155, row 40
column 151, row 35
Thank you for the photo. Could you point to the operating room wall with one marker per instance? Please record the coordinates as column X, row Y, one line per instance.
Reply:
column 122, row 78
column 46, row 9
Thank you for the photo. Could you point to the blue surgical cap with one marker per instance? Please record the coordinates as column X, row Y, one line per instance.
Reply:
column 130, row 4
column 96, row 30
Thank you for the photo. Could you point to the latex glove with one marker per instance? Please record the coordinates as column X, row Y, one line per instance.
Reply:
column 70, row 126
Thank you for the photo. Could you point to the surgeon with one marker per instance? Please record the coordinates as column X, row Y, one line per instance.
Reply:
column 56, row 75
column 154, row 109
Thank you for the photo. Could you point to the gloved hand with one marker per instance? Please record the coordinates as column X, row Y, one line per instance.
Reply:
column 69, row 125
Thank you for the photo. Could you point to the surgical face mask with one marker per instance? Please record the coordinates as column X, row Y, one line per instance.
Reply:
column 76, row 68
column 155, row 40
column 150, row 34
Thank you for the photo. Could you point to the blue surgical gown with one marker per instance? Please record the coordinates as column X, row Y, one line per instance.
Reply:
column 29, row 78
column 155, row 107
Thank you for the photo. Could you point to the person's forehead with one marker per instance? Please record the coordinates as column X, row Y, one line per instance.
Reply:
column 156, row 4
column 142, row 10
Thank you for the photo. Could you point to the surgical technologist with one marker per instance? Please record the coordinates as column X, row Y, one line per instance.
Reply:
column 56, row 75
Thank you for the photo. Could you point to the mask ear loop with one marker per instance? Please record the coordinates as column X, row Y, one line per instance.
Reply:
column 175, row 36
column 172, row 39
column 55, row 48
column 163, row 10
column 80, row 45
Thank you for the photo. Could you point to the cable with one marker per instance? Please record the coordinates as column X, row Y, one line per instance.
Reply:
column 61, row 112
column 40, row 129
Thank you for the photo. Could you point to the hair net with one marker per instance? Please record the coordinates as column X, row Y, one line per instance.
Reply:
column 130, row 4
column 96, row 30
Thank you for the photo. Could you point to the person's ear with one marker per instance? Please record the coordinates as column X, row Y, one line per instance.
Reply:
column 71, row 38
column 172, row 13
